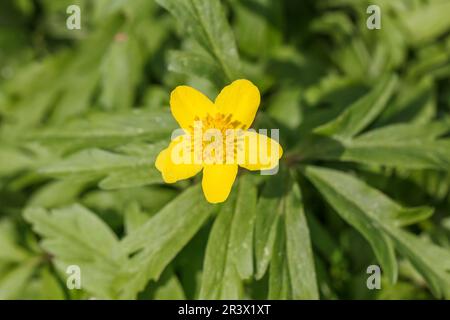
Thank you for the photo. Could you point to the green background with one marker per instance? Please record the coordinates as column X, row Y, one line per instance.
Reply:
column 364, row 124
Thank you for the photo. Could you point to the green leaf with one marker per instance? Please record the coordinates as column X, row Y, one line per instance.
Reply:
column 120, row 71
column 413, row 146
column 411, row 154
column 279, row 278
column 23, row 157
column 415, row 102
column 361, row 113
column 205, row 21
column 285, row 107
column 258, row 26
column 134, row 217
column 362, row 207
column 407, row 131
column 13, row 160
column 432, row 18
column 376, row 216
column 158, row 241
column 150, row 199
column 10, row 251
column 268, row 211
column 76, row 236
column 109, row 130
column 15, row 280
column 402, row 145
column 58, row 193
column 242, row 227
column 43, row 286
column 220, row 279
column 50, row 287
column 193, row 63
column 117, row 170
column 298, row 247
column 432, row 261
column 91, row 162
column 229, row 253
column 292, row 273
column 38, row 88
column 77, row 99
column 131, row 177
column 169, row 288
column 369, row 201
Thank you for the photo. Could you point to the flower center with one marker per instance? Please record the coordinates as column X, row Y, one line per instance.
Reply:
column 222, row 122
column 218, row 138
column 219, row 121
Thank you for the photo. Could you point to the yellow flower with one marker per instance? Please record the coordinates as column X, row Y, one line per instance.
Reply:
column 234, row 109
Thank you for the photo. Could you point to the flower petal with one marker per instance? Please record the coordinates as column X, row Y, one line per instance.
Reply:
column 173, row 171
column 260, row 152
column 240, row 99
column 217, row 181
column 187, row 104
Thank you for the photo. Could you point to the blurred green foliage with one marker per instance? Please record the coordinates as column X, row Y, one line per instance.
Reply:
column 364, row 121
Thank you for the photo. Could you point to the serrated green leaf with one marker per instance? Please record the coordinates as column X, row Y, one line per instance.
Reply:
column 431, row 17
column 131, row 178
column 415, row 103
column 10, row 251
column 404, row 132
column 116, row 170
column 93, row 162
column 205, row 21
column 109, row 130
column 58, row 193
column 369, row 201
column 361, row 113
column 15, row 280
column 409, row 154
column 77, row 99
column 408, row 146
column 198, row 64
column 44, row 287
column 76, row 236
column 431, row 261
column 169, row 288
column 350, row 198
column 157, row 242
column 51, row 288
column 151, row 199
column 13, row 159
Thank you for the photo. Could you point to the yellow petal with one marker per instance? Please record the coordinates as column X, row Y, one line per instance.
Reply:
column 240, row 99
column 259, row 152
column 217, row 181
column 173, row 170
column 188, row 104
